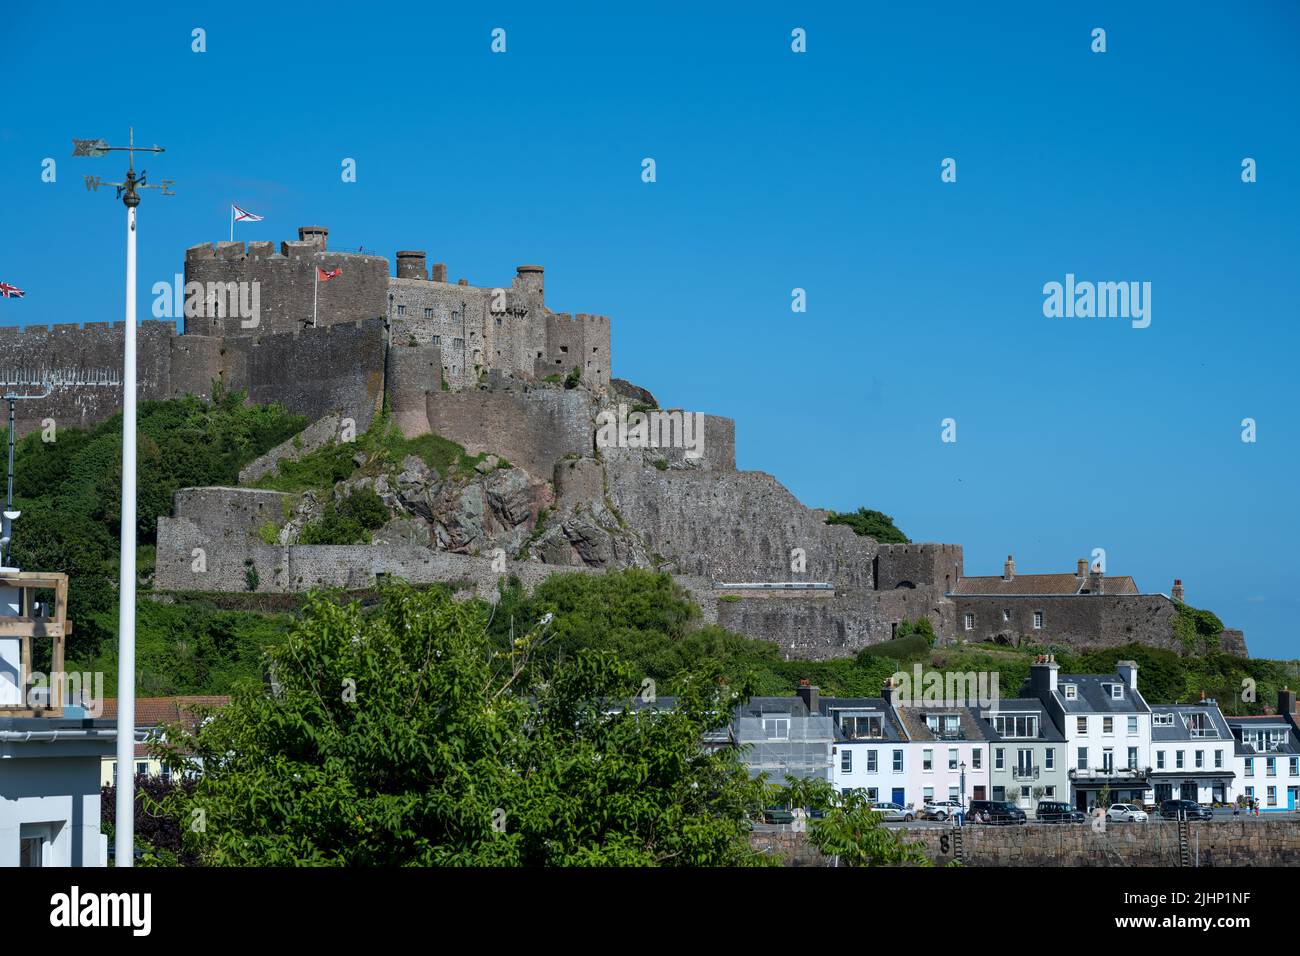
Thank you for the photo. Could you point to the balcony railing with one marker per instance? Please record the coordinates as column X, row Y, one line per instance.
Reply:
column 1024, row 773
column 1133, row 773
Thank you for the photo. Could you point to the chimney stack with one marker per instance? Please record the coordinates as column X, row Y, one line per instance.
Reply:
column 1128, row 670
column 1081, row 569
column 808, row 694
column 1009, row 569
column 1177, row 592
column 439, row 272
column 887, row 691
column 1042, row 675
column 410, row 264
column 1286, row 701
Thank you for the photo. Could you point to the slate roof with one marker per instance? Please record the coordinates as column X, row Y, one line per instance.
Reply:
column 1040, row 584
column 1093, row 699
column 1047, row 729
column 1262, row 722
column 914, row 725
column 890, row 730
column 1179, row 731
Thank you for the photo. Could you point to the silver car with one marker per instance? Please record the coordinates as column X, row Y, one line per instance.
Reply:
column 1126, row 813
column 894, row 813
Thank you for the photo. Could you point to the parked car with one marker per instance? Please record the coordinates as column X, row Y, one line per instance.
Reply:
column 1057, row 811
column 895, row 813
column 939, row 809
column 1189, row 809
column 1126, row 813
column 995, row 811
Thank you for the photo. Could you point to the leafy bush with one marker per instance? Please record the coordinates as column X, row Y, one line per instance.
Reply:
column 871, row 524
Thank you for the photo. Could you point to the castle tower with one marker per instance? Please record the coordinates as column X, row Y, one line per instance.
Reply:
column 410, row 264
column 317, row 234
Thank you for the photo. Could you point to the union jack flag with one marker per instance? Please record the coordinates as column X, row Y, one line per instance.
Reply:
column 8, row 291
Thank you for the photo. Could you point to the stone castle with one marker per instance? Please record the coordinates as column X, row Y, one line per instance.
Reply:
column 494, row 370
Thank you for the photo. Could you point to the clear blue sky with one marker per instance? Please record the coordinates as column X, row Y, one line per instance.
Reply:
column 777, row 171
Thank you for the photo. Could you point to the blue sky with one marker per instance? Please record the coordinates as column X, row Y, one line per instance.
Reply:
column 775, row 171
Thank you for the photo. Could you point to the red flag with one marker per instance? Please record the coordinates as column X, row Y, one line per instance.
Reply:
column 326, row 276
column 8, row 290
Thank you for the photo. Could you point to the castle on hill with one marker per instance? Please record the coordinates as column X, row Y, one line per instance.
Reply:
column 497, row 372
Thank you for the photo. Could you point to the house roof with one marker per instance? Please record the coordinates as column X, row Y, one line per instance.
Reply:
column 1040, row 584
column 890, row 730
column 1094, row 696
column 916, row 728
column 1263, row 722
column 156, row 711
column 1180, row 731
column 1047, row 729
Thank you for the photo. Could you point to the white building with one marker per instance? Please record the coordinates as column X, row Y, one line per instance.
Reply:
column 49, row 754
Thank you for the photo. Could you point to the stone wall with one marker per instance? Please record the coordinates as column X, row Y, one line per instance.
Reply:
column 917, row 565
column 734, row 526
column 530, row 427
column 79, row 356
column 287, row 285
column 1084, row 620
column 1256, row 841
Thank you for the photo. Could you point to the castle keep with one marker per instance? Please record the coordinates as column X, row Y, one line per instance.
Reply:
column 523, row 389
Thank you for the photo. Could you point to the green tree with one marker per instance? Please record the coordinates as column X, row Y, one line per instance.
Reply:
column 401, row 735
column 853, row 834
column 872, row 524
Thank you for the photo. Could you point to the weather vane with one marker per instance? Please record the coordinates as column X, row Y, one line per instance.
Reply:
column 127, row 190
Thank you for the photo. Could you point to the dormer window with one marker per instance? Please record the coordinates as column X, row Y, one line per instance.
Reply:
column 1116, row 691
column 1071, row 692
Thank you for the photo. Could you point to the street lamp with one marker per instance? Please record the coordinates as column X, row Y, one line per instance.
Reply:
column 129, row 192
column 963, row 792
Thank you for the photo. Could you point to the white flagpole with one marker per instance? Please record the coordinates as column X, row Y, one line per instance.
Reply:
column 124, row 841
column 315, row 287
column 232, row 223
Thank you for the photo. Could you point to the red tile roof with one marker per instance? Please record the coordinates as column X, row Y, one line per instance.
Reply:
column 1041, row 584
column 155, row 711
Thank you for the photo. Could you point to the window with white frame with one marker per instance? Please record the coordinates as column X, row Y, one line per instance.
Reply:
column 1116, row 691
column 1083, row 758
column 1162, row 720
column 1108, row 726
column 1050, row 793
column 976, row 759
column 1038, row 620
column 1270, row 766
column 1081, row 725
column 1295, row 766
column 1016, row 725
column 846, row 760
column 1132, row 726
column 1200, row 759
column 776, row 727
column 1160, row 760
column 871, row 761
column 1178, row 760
column 927, row 760
column 999, row 758
column 1049, row 758
column 873, row 795
column 970, row 621
column 898, row 761
column 1218, row 760
column 952, row 758
column 927, row 794
column 1132, row 758
column 1108, row 760
column 1272, row 796
column 1071, row 692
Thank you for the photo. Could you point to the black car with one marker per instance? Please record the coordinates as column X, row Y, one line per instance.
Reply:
column 1186, row 809
column 1055, row 811
column 995, row 811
